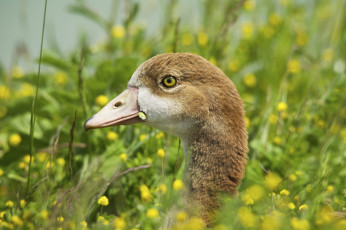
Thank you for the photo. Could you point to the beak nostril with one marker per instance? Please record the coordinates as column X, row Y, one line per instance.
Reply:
column 117, row 104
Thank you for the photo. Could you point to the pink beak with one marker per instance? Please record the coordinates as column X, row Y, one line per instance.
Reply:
column 122, row 110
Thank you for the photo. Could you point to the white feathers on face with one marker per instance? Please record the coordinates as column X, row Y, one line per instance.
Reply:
column 161, row 112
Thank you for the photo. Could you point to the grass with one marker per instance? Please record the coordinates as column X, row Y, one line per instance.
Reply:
column 287, row 61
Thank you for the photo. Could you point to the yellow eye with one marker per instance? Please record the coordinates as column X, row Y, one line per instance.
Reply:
column 169, row 81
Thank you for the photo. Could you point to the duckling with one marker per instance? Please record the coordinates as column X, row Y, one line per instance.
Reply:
column 186, row 96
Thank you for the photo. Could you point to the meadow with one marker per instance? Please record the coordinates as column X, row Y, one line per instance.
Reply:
column 287, row 59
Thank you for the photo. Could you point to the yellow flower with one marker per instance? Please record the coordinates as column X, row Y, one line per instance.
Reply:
column 60, row 219
column 303, row 207
column 284, row 192
column 145, row 193
column 298, row 173
column 118, row 31
column 275, row 19
column 293, row 66
column 83, row 224
column 277, row 140
column 17, row 72
column 142, row 137
column 234, row 65
column 17, row 221
column 246, row 217
column 60, row 161
column 2, row 215
column 15, row 139
column 22, row 165
column 327, row 55
column 271, row 222
column 161, row 153
column 1, row 172
column 123, row 157
column 9, row 204
column 330, row 188
column 247, row 122
column 26, row 159
column 291, row 206
column 159, row 135
column 26, row 90
column 186, row 39
column 249, row 5
column 22, row 203
column 60, row 78
column 111, row 135
column 103, row 200
column 213, row 61
column 273, row 119
column 272, row 180
column 41, row 156
column 281, row 107
column 300, row 224
column 162, row 189
column 249, row 201
column 195, row 223
column 247, row 30
column 152, row 213
column 250, row 80
column 50, row 165
column 292, row 177
column 101, row 100
column 119, row 223
column 202, row 39
column 178, row 185
column 181, row 217
column 254, row 193
column 302, row 38
column 4, row 92
column 44, row 214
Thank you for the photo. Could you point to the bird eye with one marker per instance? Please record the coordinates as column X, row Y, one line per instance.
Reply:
column 169, row 81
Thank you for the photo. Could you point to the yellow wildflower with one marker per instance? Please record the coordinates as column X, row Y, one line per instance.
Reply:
column 123, row 157
column 17, row 221
column 4, row 92
column 234, row 65
column 178, row 185
column 271, row 222
column 293, row 66
column 330, row 188
column 273, row 119
column 119, row 223
column 324, row 216
column 246, row 217
column 272, row 180
column 50, row 165
column 298, row 173
column 181, row 217
column 22, row 165
column 187, row 39
column 60, row 78
column 303, row 207
column 327, row 55
column 9, row 204
column 1, row 172
column 26, row 90
column 152, row 213
column 102, row 220
column 44, row 214
column 254, row 193
column 249, row 5
column 22, row 203
column 60, row 161
column 202, row 39
column 302, row 38
column 300, row 224
column 281, row 107
column 291, row 206
column 249, row 201
column 2, row 215
column 60, row 219
column 17, row 72
column 161, row 153
column 284, row 192
column 145, row 193
column 111, row 135
column 292, row 177
column 247, row 30
column 15, row 139
column 195, row 223
column 275, row 19
column 118, row 31
column 103, row 200
column 277, row 140
column 250, row 80
column 213, row 61
column 247, row 122
column 83, row 224
column 142, row 137
column 159, row 135
column 26, row 159
column 41, row 156
column 101, row 100
column 162, row 189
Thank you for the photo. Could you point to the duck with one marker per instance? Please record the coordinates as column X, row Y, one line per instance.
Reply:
column 186, row 96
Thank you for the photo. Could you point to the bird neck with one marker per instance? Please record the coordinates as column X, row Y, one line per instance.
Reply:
column 216, row 158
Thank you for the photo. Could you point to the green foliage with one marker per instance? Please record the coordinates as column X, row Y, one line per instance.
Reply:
column 287, row 59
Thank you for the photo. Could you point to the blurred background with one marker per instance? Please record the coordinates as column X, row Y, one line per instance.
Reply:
column 286, row 57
